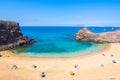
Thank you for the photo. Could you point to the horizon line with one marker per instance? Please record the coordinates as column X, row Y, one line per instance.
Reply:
column 70, row 26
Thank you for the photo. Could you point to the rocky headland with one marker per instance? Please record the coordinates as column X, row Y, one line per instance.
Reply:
column 107, row 37
column 11, row 36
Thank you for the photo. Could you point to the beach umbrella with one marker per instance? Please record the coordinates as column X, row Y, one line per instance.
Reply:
column 43, row 74
column 76, row 66
column 72, row 73
column 113, row 61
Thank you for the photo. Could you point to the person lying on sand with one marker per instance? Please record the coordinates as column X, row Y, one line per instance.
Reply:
column 34, row 66
column 112, row 55
column 14, row 67
column 103, row 54
column 102, row 65
column 1, row 55
column 43, row 74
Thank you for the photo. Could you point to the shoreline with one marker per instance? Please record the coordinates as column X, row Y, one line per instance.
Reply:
column 89, row 66
column 87, row 54
column 74, row 54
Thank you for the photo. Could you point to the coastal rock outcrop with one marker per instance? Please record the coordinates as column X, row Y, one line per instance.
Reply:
column 11, row 36
column 107, row 37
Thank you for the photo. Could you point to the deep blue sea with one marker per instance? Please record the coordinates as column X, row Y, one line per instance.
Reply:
column 58, row 41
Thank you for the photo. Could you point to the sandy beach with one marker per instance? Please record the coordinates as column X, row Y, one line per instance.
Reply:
column 102, row 65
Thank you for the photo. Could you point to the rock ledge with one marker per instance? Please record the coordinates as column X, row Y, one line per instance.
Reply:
column 11, row 36
column 106, row 37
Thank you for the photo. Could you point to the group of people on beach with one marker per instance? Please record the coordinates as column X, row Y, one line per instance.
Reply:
column 14, row 67
column 113, row 61
column 72, row 73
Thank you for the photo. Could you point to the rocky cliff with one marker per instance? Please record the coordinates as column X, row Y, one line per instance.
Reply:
column 106, row 37
column 11, row 36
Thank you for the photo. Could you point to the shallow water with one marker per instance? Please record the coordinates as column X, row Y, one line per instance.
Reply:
column 58, row 41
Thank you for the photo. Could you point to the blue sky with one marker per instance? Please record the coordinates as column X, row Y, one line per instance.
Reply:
column 61, row 12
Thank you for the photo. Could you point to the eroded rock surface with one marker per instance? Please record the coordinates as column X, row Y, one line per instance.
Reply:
column 106, row 37
column 11, row 36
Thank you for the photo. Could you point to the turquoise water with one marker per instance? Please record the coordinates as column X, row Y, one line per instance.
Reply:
column 58, row 41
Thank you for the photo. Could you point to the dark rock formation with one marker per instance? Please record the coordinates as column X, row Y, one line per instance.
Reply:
column 11, row 36
column 106, row 37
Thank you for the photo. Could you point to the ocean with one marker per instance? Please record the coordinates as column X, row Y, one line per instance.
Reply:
column 58, row 41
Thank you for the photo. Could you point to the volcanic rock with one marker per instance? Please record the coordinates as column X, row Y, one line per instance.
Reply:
column 107, row 37
column 11, row 36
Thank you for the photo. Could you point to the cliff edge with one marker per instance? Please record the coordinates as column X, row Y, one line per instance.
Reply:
column 11, row 36
column 107, row 37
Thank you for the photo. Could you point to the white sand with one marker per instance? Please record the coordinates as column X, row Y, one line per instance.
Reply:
column 89, row 66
